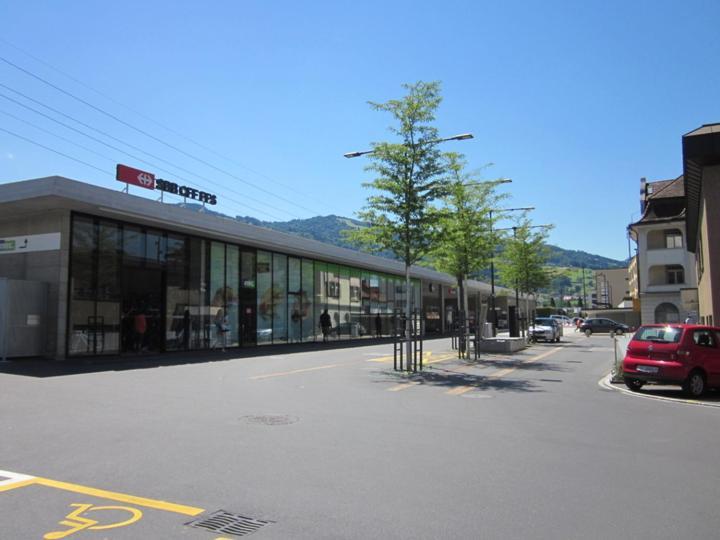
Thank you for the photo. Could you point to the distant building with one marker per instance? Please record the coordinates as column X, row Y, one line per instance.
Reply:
column 611, row 286
column 665, row 269
column 701, row 166
column 633, row 286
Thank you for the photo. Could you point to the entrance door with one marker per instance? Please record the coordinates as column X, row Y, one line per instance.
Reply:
column 143, row 318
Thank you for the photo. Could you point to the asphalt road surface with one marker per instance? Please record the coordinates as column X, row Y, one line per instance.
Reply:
column 332, row 443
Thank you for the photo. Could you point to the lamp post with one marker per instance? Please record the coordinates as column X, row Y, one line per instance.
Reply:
column 413, row 146
column 492, row 261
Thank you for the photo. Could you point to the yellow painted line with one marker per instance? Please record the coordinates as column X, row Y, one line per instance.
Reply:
column 543, row 355
column 501, row 373
column 292, row 372
column 507, row 371
column 403, row 386
column 121, row 497
column 448, row 356
column 15, row 485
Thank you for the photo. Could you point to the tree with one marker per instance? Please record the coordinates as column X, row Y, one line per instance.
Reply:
column 464, row 242
column 410, row 176
column 525, row 256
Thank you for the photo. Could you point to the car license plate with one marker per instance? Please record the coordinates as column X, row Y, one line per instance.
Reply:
column 647, row 369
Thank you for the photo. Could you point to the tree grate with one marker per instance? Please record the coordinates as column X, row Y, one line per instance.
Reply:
column 227, row 523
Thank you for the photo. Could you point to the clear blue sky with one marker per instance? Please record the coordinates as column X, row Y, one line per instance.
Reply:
column 575, row 101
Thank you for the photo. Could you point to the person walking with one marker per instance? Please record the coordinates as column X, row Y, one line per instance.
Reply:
column 325, row 325
column 378, row 325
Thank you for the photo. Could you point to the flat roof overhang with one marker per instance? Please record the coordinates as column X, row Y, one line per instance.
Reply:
column 18, row 199
column 701, row 148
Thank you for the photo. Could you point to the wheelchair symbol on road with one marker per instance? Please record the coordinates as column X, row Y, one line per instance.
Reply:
column 77, row 522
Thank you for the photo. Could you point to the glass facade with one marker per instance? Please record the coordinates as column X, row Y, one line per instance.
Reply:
column 138, row 290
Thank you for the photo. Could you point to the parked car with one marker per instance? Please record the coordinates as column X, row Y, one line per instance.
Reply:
column 678, row 354
column 546, row 329
column 607, row 326
column 564, row 319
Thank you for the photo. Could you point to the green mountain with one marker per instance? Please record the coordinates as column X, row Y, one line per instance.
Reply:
column 328, row 229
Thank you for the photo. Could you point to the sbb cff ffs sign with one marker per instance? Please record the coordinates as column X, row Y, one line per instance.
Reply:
column 136, row 177
column 147, row 180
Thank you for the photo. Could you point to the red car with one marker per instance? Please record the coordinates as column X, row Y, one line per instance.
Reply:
column 682, row 354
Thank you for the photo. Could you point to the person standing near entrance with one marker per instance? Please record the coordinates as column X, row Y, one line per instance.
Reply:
column 221, row 329
column 378, row 325
column 325, row 325
column 140, row 327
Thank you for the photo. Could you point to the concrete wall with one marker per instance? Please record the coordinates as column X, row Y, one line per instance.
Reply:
column 709, row 248
column 50, row 267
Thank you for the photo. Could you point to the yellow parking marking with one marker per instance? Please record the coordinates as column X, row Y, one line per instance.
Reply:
column 77, row 522
column 428, row 358
column 101, row 493
column 403, row 386
column 292, row 372
column 501, row 373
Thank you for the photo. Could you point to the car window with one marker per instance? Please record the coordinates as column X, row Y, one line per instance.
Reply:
column 704, row 338
column 663, row 334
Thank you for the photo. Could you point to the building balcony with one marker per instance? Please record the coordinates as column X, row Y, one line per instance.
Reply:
column 655, row 257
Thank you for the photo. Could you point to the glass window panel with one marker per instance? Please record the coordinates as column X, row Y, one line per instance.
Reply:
column 248, row 298
column 177, row 301
column 280, row 299
column 294, row 284
column 82, row 287
column 155, row 248
column 133, row 245
column 232, row 295
column 108, row 290
column 320, row 296
column 197, row 304
column 216, row 296
column 308, row 296
column 355, row 289
column 264, row 298
column 333, row 295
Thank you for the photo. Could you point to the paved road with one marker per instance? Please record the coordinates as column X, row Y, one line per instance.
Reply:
column 334, row 444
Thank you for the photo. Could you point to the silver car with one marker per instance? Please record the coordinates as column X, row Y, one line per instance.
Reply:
column 545, row 329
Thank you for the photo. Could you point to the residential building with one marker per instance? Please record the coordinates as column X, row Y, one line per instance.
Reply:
column 701, row 171
column 664, row 266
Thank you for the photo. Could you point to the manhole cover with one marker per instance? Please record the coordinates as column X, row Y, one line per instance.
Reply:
column 270, row 419
column 227, row 523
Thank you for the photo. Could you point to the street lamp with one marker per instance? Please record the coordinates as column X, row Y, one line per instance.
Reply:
column 408, row 321
column 460, row 137
column 492, row 260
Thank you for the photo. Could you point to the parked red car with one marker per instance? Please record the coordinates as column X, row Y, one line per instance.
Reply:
column 682, row 354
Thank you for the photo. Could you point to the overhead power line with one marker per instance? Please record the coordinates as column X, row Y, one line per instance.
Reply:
column 187, row 180
column 149, row 135
column 134, row 148
column 152, row 120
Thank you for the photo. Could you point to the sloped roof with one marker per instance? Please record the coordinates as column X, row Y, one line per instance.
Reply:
column 667, row 189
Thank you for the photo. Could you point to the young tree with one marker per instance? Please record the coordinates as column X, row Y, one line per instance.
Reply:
column 410, row 176
column 464, row 242
column 525, row 257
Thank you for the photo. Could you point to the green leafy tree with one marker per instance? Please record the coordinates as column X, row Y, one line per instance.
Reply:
column 464, row 242
column 409, row 177
column 525, row 256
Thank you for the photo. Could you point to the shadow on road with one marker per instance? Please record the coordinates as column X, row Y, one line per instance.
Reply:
column 445, row 378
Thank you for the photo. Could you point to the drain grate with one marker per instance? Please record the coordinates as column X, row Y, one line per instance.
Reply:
column 227, row 523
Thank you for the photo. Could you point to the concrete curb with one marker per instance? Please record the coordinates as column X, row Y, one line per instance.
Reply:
column 605, row 383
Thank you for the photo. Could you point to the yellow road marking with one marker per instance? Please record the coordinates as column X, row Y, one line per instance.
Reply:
column 22, row 483
column 292, row 372
column 403, row 386
column 501, row 373
column 120, row 497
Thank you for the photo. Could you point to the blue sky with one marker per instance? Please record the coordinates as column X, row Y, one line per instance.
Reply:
column 575, row 101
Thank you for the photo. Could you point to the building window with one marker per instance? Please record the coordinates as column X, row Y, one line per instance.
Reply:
column 673, row 239
column 675, row 274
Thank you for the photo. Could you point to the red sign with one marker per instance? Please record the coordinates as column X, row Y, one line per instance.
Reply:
column 135, row 177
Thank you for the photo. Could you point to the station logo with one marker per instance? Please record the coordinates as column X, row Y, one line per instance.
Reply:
column 147, row 180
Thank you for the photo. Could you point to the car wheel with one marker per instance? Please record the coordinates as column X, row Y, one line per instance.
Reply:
column 588, row 332
column 557, row 339
column 634, row 384
column 695, row 384
column 619, row 332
